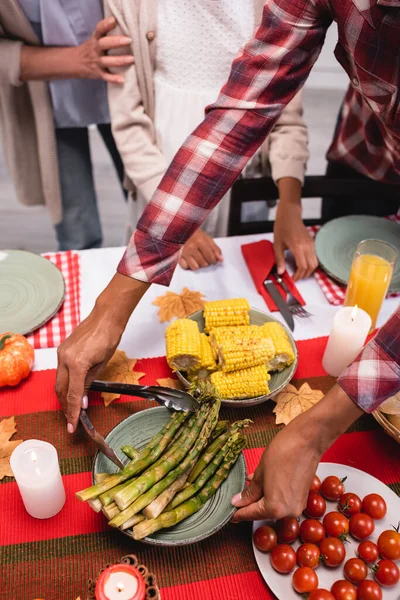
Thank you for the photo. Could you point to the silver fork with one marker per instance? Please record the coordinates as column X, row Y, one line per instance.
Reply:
column 294, row 305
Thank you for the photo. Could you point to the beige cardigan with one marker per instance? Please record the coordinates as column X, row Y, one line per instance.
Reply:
column 132, row 108
column 26, row 118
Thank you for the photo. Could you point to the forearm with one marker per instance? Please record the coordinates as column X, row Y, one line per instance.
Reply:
column 119, row 299
column 290, row 192
column 44, row 64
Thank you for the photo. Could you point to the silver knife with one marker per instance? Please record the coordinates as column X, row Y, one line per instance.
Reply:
column 279, row 301
column 98, row 440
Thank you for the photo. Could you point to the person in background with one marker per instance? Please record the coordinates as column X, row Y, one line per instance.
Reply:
column 53, row 74
column 183, row 53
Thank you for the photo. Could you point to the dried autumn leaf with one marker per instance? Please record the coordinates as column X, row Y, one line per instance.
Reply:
column 7, row 430
column 291, row 402
column 171, row 383
column 178, row 305
column 119, row 369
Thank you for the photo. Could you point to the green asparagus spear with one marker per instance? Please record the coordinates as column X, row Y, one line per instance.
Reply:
column 144, row 461
column 172, row 517
column 157, row 505
column 130, row 452
column 110, row 511
column 220, row 428
column 107, row 497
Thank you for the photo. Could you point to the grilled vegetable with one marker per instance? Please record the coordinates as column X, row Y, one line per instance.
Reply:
column 221, row 313
column 183, row 345
column 207, row 363
column 247, row 383
column 237, row 353
column 284, row 355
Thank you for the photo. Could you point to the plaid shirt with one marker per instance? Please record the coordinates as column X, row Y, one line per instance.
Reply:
column 265, row 76
column 374, row 376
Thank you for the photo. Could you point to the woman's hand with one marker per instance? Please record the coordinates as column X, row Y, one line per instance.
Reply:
column 200, row 251
column 88, row 349
column 281, row 482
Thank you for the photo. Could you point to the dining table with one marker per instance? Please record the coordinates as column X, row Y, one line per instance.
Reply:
column 55, row 559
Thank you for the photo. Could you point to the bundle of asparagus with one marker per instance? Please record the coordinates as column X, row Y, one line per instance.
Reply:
column 174, row 474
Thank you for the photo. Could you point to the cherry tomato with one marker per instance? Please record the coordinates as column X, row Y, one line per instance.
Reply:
column 349, row 504
column 355, row 570
column 369, row 590
column 288, row 530
column 315, row 506
column 361, row 526
column 344, row 590
column 332, row 487
column 387, row 573
column 336, row 525
column 308, row 555
column 374, row 506
column 304, row 580
column 312, row 531
column 265, row 538
column 368, row 552
column 321, row 594
column 316, row 484
column 332, row 551
column 283, row 558
column 389, row 544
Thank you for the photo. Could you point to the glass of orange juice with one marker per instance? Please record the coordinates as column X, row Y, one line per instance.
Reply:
column 370, row 276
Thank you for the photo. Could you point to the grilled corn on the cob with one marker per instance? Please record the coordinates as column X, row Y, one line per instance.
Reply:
column 247, row 383
column 222, row 313
column 183, row 345
column 236, row 353
column 207, row 364
column 219, row 335
column 284, row 355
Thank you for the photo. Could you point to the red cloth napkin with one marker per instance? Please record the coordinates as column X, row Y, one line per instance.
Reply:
column 67, row 318
column 260, row 259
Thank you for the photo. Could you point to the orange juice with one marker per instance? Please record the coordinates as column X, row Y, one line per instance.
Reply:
column 370, row 277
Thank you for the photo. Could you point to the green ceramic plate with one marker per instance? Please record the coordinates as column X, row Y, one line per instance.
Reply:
column 31, row 291
column 277, row 381
column 336, row 242
column 137, row 430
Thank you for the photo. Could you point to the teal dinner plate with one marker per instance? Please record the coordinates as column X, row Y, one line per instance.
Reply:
column 278, row 379
column 337, row 240
column 31, row 291
column 137, row 430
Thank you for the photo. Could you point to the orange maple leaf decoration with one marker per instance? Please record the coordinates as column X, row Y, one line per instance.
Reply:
column 171, row 383
column 291, row 402
column 119, row 369
column 7, row 430
column 178, row 305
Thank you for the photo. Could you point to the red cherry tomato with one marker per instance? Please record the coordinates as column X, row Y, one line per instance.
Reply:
column 369, row 590
column 389, row 544
column 374, row 506
column 312, row 531
column 316, row 484
column 336, row 525
column 332, row 551
column 288, row 530
column 350, row 504
column 361, row 526
column 344, row 590
column 332, row 487
column 315, row 506
column 321, row 594
column 308, row 555
column 283, row 558
column 265, row 538
column 368, row 552
column 387, row 573
column 355, row 570
column 304, row 580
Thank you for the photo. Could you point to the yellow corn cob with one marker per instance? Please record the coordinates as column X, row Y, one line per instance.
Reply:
column 237, row 353
column 207, row 363
column 182, row 339
column 219, row 335
column 284, row 355
column 247, row 383
column 221, row 313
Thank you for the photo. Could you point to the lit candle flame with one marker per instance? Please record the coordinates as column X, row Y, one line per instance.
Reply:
column 33, row 456
column 354, row 313
column 120, row 587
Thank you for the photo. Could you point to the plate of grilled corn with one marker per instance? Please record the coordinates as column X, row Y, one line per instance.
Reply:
column 247, row 354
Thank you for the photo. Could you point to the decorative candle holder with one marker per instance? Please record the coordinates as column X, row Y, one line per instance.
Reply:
column 152, row 590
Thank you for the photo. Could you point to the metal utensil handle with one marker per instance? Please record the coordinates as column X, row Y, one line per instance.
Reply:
column 129, row 389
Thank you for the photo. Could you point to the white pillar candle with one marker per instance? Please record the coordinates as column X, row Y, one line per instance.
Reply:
column 37, row 473
column 349, row 331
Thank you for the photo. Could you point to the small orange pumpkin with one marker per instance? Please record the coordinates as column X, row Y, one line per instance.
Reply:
column 16, row 358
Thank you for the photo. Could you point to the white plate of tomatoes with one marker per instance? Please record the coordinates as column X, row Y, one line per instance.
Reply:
column 331, row 534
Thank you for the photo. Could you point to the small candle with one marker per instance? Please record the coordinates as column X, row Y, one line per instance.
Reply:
column 349, row 332
column 37, row 473
column 120, row 582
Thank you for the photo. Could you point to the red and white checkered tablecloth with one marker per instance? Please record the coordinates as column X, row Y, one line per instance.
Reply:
column 67, row 318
